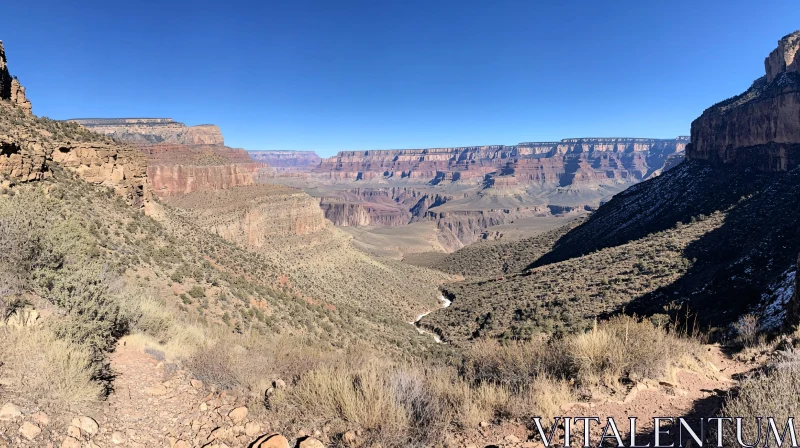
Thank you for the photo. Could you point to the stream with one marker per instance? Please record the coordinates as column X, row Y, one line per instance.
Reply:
column 444, row 304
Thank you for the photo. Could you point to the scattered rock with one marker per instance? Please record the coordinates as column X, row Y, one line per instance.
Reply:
column 251, row 429
column 70, row 442
column 280, row 384
column 310, row 442
column 511, row 439
column 117, row 438
column 86, row 424
column 197, row 384
column 271, row 441
column 484, row 424
column 203, row 407
column 238, row 415
column 29, row 430
column 10, row 411
column 74, row 431
column 41, row 418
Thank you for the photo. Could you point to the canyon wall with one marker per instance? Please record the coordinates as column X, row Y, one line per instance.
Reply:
column 287, row 160
column 148, row 131
column 181, row 169
column 252, row 216
column 564, row 163
column 180, row 159
column 761, row 127
column 390, row 206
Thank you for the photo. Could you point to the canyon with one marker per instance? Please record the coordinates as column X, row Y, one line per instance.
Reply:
column 478, row 192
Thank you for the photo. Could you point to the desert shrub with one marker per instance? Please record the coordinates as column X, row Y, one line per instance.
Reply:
column 771, row 394
column 612, row 350
column 626, row 346
column 511, row 363
column 747, row 330
column 45, row 366
column 251, row 364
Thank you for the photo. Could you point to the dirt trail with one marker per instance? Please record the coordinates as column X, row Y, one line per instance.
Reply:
column 154, row 404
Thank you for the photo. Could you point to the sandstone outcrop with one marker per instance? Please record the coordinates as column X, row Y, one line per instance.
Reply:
column 251, row 216
column 181, row 159
column 761, row 127
column 287, row 160
column 181, row 169
column 144, row 131
column 564, row 163
column 29, row 145
column 10, row 88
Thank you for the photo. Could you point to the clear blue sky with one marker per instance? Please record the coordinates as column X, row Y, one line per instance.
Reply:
column 332, row 75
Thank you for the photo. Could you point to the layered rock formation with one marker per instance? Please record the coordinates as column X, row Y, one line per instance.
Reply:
column 761, row 127
column 252, row 216
column 287, row 160
column 181, row 159
column 564, row 163
column 181, row 169
column 146, row 131
column 10, row 88
column 395, row 206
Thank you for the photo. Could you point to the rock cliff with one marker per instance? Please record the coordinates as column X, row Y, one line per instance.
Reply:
column 30, row 145
column 143, row 131
column 251, row 216
column 181, row 169
column 287, row 160
column 565, row 163
column 761, row 127
column 10, row 88
column 180, row 159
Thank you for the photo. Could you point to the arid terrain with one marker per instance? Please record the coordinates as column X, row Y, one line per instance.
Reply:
column 158, row 288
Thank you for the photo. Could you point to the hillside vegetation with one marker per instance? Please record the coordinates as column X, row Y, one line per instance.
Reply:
column 567, row 296
column 492, row 258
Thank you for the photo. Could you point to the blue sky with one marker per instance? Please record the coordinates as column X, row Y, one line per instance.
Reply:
column 332, row 75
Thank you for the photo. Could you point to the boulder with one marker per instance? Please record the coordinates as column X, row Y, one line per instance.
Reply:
column 310, row 442
column 10, row 411
column 29, row 430
column 238, row 415
column 271, row 441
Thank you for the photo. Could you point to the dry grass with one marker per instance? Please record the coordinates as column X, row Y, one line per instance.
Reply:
column 769, row 395
column 45, row 367
column 621, row 348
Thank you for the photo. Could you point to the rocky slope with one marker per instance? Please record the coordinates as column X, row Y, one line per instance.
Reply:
column 760, row 127
column 29, row 145
column 564, row 163
column 287, row 160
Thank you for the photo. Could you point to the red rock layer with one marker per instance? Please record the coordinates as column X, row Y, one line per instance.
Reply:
column 556, row 163
column 181, row 169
